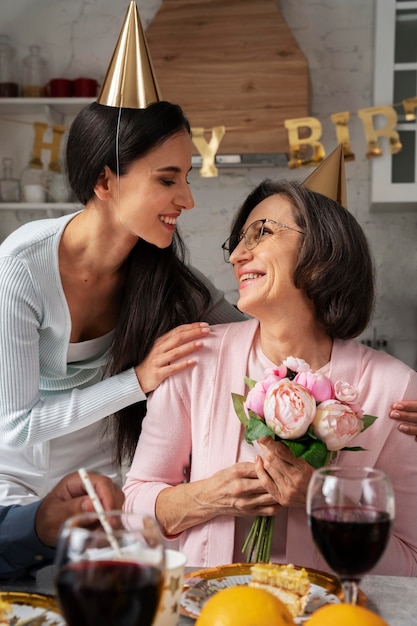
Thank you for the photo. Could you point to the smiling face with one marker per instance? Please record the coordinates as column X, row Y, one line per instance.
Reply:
column 150, row 197
column 265, row 274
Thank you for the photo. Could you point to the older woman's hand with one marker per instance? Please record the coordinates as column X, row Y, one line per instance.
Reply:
column 233, row 491
column 283, row 475
column 237, row 491
column 406, row 412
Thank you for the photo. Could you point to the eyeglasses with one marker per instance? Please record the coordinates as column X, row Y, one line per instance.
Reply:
column 252, row 236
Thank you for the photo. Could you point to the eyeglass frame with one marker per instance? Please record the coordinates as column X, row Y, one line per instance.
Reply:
column 242, row 235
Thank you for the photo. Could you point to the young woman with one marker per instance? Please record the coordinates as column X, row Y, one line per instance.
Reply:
column 87, row 300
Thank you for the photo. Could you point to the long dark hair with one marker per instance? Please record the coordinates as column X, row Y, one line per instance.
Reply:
column 160, row 291
column 335, row 266
column 92, row 138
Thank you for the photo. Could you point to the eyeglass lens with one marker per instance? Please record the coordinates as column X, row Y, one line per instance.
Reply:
column 254, row 234
column 252, row 237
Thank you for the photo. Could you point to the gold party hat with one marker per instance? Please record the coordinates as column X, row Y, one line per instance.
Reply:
column 329, row 177
column 130, row 80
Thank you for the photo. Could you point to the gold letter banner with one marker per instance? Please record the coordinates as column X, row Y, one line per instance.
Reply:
column 298, row 127
column 206, row 150
column 372, row 134
column 304, row 134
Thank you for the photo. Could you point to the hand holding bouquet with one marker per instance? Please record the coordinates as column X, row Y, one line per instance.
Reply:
column 307, row 412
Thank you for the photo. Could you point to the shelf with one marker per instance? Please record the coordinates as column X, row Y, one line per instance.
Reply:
column 23, row 106
column 45, row 206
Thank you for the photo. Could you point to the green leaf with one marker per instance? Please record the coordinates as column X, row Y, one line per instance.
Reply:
column 250, row 383
column 313, row 451
column 368, row 420
column 317, row 454
column 296, row 447
column 310, row 433
column 238, row 401
column 257, row 428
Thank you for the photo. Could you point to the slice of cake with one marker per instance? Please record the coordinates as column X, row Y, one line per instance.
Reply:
column 5, row 609
column 289, row 584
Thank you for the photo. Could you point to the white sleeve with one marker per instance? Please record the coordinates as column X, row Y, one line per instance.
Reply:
column 27, row 418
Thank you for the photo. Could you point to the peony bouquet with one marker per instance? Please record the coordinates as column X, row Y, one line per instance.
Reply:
column 307, row 412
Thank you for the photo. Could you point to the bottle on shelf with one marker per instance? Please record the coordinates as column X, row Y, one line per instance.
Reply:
column 9, row 186
column 33, row 183
column 34, row 74
column 9, row 88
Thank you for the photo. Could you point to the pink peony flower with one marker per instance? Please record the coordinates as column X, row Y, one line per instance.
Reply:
column 336, row 424
column 296, row 365
column 346, row 392
column 289, row 409
column 256, row 398
column 357, row 409
column 318, row 385
column 276, row 373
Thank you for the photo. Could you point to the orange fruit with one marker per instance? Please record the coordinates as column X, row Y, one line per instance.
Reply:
column 244, row 606
column 344, row 615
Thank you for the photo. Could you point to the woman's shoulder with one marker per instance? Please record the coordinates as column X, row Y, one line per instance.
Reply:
column 225, row 349
column 241, row 327
column 366, row 359
column 23, row 239
column 242, row 331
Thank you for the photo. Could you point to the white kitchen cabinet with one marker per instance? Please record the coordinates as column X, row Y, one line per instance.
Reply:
column 394, row 177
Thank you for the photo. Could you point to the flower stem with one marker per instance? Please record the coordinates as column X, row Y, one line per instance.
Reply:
column 259, row 539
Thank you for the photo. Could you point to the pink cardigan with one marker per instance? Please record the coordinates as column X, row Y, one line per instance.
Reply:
column 192, row 413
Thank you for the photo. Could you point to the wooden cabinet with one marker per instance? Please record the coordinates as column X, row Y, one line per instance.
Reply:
column 394, row 177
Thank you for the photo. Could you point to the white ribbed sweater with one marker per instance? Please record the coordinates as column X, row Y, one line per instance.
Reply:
column 43, row 398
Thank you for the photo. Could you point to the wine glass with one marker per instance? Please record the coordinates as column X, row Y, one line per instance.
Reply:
column 109, row 569
column 350, row 513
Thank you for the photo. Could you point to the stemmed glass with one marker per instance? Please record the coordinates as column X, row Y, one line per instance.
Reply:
column 350, row 512
column 109, row 574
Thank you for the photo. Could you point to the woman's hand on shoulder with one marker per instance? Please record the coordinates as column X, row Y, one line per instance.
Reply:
column 406, row 413
column 169, row 354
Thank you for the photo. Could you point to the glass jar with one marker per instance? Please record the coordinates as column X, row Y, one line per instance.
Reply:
column 9, row 88
column 9, row 186
column 34, row 74
column 33, row 183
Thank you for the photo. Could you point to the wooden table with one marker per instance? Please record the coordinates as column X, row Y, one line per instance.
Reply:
column 392, row 597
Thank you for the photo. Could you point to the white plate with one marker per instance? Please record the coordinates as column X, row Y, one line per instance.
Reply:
column 199, row 586
column 27, row 606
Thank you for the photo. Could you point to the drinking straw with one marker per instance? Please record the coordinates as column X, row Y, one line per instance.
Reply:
column 99, row 509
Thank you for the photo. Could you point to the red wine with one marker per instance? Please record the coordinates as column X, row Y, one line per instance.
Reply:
column 110, row 593
column 350, row 539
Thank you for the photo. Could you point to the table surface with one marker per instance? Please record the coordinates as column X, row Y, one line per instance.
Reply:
column 392, row 597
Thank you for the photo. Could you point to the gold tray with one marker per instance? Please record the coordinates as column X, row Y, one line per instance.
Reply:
column 27, row 606
column 201, row 584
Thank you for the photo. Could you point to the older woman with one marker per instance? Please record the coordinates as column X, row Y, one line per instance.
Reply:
column 305, row 275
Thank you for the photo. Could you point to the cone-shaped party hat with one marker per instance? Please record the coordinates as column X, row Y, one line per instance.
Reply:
column 130, row 80
column 329, row 177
